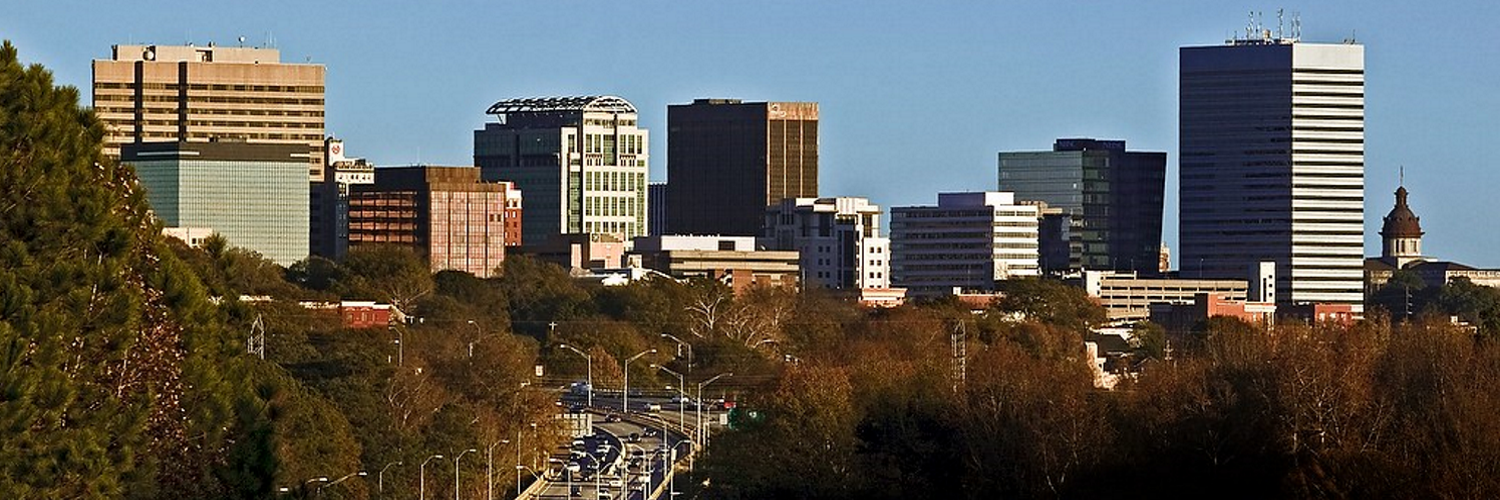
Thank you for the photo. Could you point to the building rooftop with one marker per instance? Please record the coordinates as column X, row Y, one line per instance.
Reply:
column 1401, row 222
column 605, row 104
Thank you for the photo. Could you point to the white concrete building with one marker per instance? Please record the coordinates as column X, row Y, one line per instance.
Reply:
column 1272, row 164
column 838, row 239
column 969, row 240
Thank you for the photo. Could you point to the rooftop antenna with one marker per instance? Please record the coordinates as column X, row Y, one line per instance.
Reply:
column 1279, row 23
column 242, row 41
column 1297, row 25
column 1401, row 181
column 1250, row 26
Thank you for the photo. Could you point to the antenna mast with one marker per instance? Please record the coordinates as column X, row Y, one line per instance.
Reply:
column 256, row 343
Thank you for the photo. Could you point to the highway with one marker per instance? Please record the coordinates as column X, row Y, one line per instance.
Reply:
column 624, row 458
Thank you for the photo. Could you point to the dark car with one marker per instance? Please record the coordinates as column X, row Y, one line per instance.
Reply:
column 612, row 418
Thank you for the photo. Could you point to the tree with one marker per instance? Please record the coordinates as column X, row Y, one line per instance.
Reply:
column 1050, row 302
column 391, row 273
column 113, row 364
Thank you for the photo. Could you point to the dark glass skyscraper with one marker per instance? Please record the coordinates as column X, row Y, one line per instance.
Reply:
column 728, row 160
column 1113, row 196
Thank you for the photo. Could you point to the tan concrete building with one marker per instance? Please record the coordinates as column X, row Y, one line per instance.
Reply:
column 155, row 93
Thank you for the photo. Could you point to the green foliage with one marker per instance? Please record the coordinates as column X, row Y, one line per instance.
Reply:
column 388, row 273
column 540, row 293
column 1050, row 302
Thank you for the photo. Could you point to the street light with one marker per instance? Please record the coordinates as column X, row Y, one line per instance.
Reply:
column 625, row 395
column 672, row 485
column 681, row 391
column 340, row 480
column 490, row 471
column 680, row 345
column 702, row 433
column 479, row 334
column 380, row 478
column 422, row 477
column 518, row 457
column 455, row 470
column 590, row 360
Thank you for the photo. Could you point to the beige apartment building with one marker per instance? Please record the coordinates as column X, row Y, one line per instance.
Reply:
column 154, row 93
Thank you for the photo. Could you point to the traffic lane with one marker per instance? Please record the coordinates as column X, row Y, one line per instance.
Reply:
column 587, row 465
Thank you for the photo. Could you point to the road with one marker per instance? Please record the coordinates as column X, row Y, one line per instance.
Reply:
column 635, row 452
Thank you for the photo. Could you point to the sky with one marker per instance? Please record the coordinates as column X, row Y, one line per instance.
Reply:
column 916, row 97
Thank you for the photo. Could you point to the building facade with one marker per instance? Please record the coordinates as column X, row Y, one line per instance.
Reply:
column 727, row 160
column 731, row 259
column 838, row 239
column 447, row 214
column 656, row 208
column 255, row 195
column 967, row 241
column 1113, row 198
column 155, row 93
column 1127, row 298
column 328, row 221
column 582, row 162
column 1272, row 164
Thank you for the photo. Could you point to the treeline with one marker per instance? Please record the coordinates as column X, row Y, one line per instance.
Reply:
column 1232, row 410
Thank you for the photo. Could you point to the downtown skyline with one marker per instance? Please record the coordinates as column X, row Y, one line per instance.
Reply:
column 915, row 101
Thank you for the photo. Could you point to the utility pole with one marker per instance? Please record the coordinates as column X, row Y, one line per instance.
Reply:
column 959, row 344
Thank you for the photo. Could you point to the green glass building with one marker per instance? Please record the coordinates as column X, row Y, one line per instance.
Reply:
column 255, row 195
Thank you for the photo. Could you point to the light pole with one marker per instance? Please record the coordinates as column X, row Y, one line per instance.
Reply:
column 598, row 468
column 380, row 478
column 672, row 485
column 680, row 345
column 400, row 346
column 340, row 480
column 422, row 477
column 702, row 433
column 455, row 470
column 518, row 457
column 625, row 394
column 681, row 391
column 319, row 479
column 534, row 476
column 490, row 471
column 479, row 333
column 590, row 360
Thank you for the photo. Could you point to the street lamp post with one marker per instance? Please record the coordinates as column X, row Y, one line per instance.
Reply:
column 422, row 477
column 319, row 479
column 625, row 394
column 340, row 480
column 590, row 360
column 380, row 478
column 672, row 485
column 681, row 391
column 490, row 470
column 455, row 470
column 703, row 434
column 680, row 345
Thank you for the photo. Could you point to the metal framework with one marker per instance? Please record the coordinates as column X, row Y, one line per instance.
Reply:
column 604, row 104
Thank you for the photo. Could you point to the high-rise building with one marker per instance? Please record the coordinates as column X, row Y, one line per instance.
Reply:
column 838, row 239
column 329, row 214
column 447, row 214
column 728, row 160
column 582, row 162
column 1272, row 164
column 968, row 241
column 154, row 93
column 1112, row 196
column 656, row 208
column 255, row 195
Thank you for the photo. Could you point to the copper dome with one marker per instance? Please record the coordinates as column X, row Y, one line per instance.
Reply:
column 1401, row 222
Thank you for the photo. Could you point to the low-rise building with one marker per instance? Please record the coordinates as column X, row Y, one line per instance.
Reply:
column 1180, row 319
column 579, row 253
column 733, row 259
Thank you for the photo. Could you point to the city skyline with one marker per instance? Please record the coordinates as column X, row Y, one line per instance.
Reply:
column 992, row 78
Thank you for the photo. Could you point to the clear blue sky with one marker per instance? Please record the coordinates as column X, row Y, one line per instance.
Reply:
column 917, row 97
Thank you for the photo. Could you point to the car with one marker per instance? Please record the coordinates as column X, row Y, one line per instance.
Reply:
column 612, row 418
column 579, row 443
column 635, row 437
column 653, row 407
column 614, row 482
column 650, row 432
column 574, row 468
